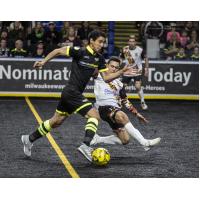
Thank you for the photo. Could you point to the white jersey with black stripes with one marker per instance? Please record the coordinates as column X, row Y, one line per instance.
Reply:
column 107, row 94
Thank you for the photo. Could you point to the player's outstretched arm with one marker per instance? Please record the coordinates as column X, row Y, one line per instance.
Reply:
column 107, row 77
column 51, row 55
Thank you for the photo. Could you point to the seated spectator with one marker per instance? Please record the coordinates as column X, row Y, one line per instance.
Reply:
column 16, row 32
column 189, row 27
column 181, row 54
column 184, row 38
column 171, row 48
column 153, row 30
column 39, row 51
column 65, row 30
column 52, row 35
column 84, row 30
column 4, row 50
column 193, row 42
column 71, row 40
column 195, row 54
column 173, row 32
column 16, row 26
column 18, row 51
column 4, row 34
column 37, row 34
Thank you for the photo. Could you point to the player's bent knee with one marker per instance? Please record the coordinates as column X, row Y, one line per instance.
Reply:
column 125, row 141
column 123, row 136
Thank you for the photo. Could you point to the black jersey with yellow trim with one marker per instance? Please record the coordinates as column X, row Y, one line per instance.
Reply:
column 84, row 64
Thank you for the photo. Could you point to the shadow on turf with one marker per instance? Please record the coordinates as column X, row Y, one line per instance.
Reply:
column 125, row 161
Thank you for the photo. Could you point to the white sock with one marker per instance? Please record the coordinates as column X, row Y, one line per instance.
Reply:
column 141, row 94
column 135, row 133
column 111, row 139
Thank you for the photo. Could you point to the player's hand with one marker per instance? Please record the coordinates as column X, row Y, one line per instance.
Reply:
column 128, row 70
column 38, row 64
column 141, row 118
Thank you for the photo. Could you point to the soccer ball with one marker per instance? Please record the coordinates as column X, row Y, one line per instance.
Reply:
column 100, row 156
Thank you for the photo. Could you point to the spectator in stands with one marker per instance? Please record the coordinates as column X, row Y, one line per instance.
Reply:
column 84, row 30
column 153, row 30
column 5, row 35
column 195, row 54
column 18, row 51
column 37, row 34
column 71, row 40
column 171, row 48
column 181, row 55
column 16, row 32
column 39, row 51
column 173, row 33
column 184, row 38
column 193, row 42
column 189, row 27
column 65, row 30
column 4, row 50
column 52, row 35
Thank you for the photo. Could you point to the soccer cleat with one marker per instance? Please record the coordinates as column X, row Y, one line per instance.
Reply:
column 27, row 145
column 86, row 151
column 144, row 106
column 151, row 143
column 95, row 140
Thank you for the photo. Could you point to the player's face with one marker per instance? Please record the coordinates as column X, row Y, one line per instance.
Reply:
column 113, row 66
column 98, row 44
column 131, row 43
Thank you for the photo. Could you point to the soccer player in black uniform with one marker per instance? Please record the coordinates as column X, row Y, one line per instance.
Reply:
column 85, row 63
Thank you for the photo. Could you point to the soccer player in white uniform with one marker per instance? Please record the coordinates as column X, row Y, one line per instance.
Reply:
column 132, row 55
column 109, row 99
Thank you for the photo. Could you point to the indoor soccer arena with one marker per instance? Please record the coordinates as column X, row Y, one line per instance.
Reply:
column 161, row 83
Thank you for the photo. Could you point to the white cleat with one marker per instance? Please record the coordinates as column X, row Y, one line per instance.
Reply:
column 144, row 106
column 86, row 151
column 95, row 140
column 151, row 143
column 27, row 145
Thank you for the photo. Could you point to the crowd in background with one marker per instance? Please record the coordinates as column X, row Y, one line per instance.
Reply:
column 178, row 40
column 37, row 39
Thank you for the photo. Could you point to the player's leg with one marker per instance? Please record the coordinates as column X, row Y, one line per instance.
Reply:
column 82, row 106
column 123, row 135
column 90, row 130
column 44, row 128
column 59, row 116
column 122, row 118
column 139, row 89
column 107, row 113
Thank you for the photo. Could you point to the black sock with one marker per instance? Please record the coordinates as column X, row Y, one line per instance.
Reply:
column 34, row 136
column 41, row 131
column 88, row 137
column 90, row 130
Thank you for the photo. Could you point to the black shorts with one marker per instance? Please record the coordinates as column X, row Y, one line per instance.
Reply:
column 107, row 113
column 72, row 101
column 126, row 79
